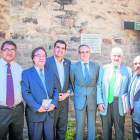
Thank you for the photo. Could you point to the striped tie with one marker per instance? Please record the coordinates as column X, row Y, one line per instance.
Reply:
column 86, row 73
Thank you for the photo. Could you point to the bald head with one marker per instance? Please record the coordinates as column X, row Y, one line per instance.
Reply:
column 137, row 64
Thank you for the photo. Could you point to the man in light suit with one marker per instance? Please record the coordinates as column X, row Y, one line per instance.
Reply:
column 134, row 94
column 84, row 75
column 113, row 82
column 61, row 66
column 39, row 84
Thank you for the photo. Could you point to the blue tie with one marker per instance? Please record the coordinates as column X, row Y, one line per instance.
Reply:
column 42, row 77
column 86, row 73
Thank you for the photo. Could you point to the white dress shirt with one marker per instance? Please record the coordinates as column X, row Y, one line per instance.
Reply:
column 16, row 71
column 118, row 80
column 83, row 67
column 60, row 68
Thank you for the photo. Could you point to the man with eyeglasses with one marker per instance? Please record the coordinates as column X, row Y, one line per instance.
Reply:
column 84, row 75
column 134, row 94
column 39, row 86
column 113, row 82
column 61, row 66
column 11, row 106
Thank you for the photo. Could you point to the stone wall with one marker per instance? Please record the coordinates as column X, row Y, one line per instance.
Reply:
column 35, row 23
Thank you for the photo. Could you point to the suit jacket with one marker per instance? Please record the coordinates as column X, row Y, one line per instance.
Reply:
column 103, row 86
column 67, row 85
column 135, row 100
column 33, row 92
column 81, row 91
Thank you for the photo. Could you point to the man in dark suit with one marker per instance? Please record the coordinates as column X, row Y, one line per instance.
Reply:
column 39, row 84
column 60, row 67
column 134, row 94
column 113, row 82
column 84, row 75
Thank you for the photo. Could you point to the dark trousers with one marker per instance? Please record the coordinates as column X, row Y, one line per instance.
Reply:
column 113, row 116
column 60, row 122
column 135, row 130
column 12, row 121
column 37, row 130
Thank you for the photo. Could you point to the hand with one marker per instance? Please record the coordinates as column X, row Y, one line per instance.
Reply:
column 61, row 97
column 50, row 107
column 101, row 107
column 42, row 109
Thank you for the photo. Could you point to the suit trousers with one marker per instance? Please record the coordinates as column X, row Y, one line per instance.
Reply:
column 113, row 116
column 80, row 123
column 12, row 121
column 60, row 121
column 135, row 130
column 38, row 129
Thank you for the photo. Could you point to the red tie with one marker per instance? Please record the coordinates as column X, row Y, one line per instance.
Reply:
column 10, row 88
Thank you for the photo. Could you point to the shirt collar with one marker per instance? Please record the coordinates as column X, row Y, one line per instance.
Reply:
column 112, row 66
column 58, row 61
column 38, row 69
column 84, row 62
column 4, row 62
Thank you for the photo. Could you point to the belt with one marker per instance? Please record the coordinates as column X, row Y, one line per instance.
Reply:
column 115, row 97
column 13, row 107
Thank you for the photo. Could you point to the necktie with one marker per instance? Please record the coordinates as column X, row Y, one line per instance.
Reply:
column 10, row 88
column 86, row 73
column 42, row 77
column 112, row 86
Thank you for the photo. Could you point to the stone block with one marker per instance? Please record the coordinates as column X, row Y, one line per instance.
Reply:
column 120, row 34
column 2, row 34
column 15, row 3
column 4, row 25
column 20, row 28
column 17, row 36
column 62, row 30
column 69, row 22
column 118, row 41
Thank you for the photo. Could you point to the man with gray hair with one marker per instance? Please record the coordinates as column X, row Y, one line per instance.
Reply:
column 113, row 82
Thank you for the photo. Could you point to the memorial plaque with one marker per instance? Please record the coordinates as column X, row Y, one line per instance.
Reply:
column 93, row 41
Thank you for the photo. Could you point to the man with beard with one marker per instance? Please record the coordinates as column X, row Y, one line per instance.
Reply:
column 113, row 82
column 134, row 93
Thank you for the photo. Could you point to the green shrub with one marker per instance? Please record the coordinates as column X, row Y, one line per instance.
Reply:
column 70, row 133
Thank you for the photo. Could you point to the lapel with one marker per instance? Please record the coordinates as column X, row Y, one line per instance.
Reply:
column 65, row 70
column 91, row 71
column 47, row 78
column 106, row 79
column 133, row 78
column 36, row 77
column 53, row 64
column 138, row 87
column 80, row 70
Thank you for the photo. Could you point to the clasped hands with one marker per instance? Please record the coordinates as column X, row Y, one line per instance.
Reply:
column 63, row 96
column 46, row 109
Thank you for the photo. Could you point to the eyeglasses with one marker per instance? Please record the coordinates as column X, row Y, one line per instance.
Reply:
column 9, row 50
column 84, row 52
column 136, row 63
column 38, row 56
